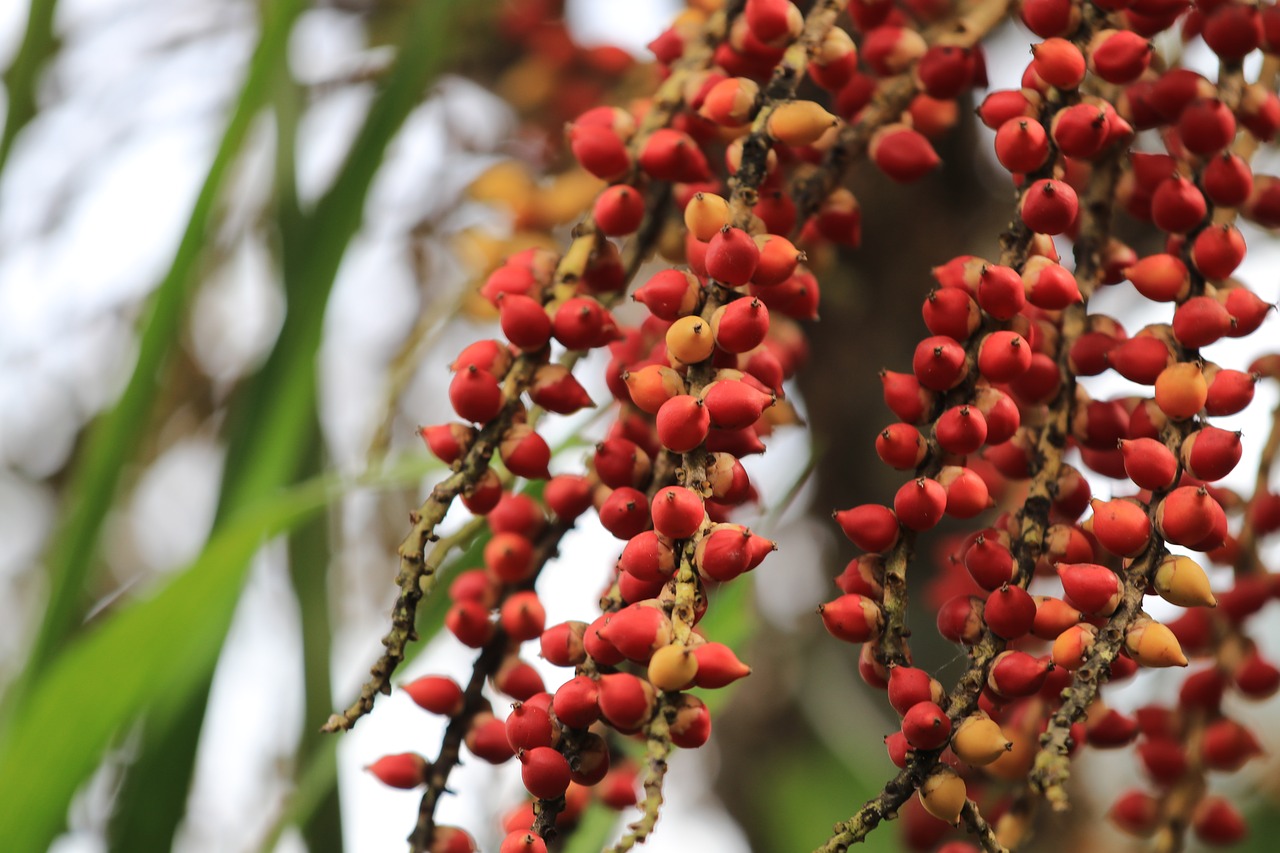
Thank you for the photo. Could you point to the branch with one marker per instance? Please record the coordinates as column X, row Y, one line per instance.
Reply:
column 545, row 549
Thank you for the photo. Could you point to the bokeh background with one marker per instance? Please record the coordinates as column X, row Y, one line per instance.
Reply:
column 231, row 264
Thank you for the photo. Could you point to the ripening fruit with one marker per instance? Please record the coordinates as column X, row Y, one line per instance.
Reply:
column 730, row 103
column 627, row 702
column 740, row 326
column 926, row 726
column 1211, row 453
column 920, row 503
column 522, row 616
column 653, row 384
column 671, row 294
column 1161, row 278
column 682, row 423
column 525, row 453
column 891, row 49
column 672, row 155
column 852, row 618
column 1004, row 105
column 960, row 620
column 1010, row 611
column 770, row 20
column 1048, row 18
column 732, row 404
column 1230, row 392
column 901, row 446
column 967, row 493
column 951, row 311
column 1206, row 125
column 904, row 396
column 778, row 260
column 1001, row 292
column 1149, row 463
column 448, row 442
column 909, row 686
column 939, row 363
column 544, row 771
column 1247, row 310
column 677, row 512
column 1022, row 145
column 1080, row 130
column 529, row 726
column 732, row 256
column 561, row 645
column 469, row 622
column 1004, row 356
column 1200, row 321
column 989, row 561
column 1072, row 647
column 1121, row 526
column 1119, row 56
column 1186, row 516
column 1227, row 180
column 960, row 430
column 600, row 150
column 1049, row 206
column 1059, row 63
column 438, row 694
column 1049, row 285
column 1177, row 205
column 718, row 666
column 1135, row 812
column 618, row 210
column 403, row 770
column 1140, row 359
column 706, row 214
column 835, row 62
column 902, row 153
column 522, row 841
column 872, row 527
column 1095, row 589
column 555, row 389
column 1217, row 821
column 475, row 395
column 509, row 556
column 1218, row 250
column 624, row 513
column 636, row 631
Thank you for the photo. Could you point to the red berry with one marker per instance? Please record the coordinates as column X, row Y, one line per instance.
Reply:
column 544, row 771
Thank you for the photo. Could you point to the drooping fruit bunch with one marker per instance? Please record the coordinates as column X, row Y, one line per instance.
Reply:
column 732, row 170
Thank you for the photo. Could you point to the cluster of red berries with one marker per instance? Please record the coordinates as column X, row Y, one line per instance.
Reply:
column 716, row 172
column 977, row 414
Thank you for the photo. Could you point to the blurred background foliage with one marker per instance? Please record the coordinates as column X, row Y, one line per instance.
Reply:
column 236, row 252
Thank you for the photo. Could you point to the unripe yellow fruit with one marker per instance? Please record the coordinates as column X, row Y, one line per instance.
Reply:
column 1180, row 580
column 689, row 340
column 705, row 215
column 1181, row 390
column 943, row 795
column 1153, row 644
column 672, row 667
column 800, row 123
column 979, row 740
